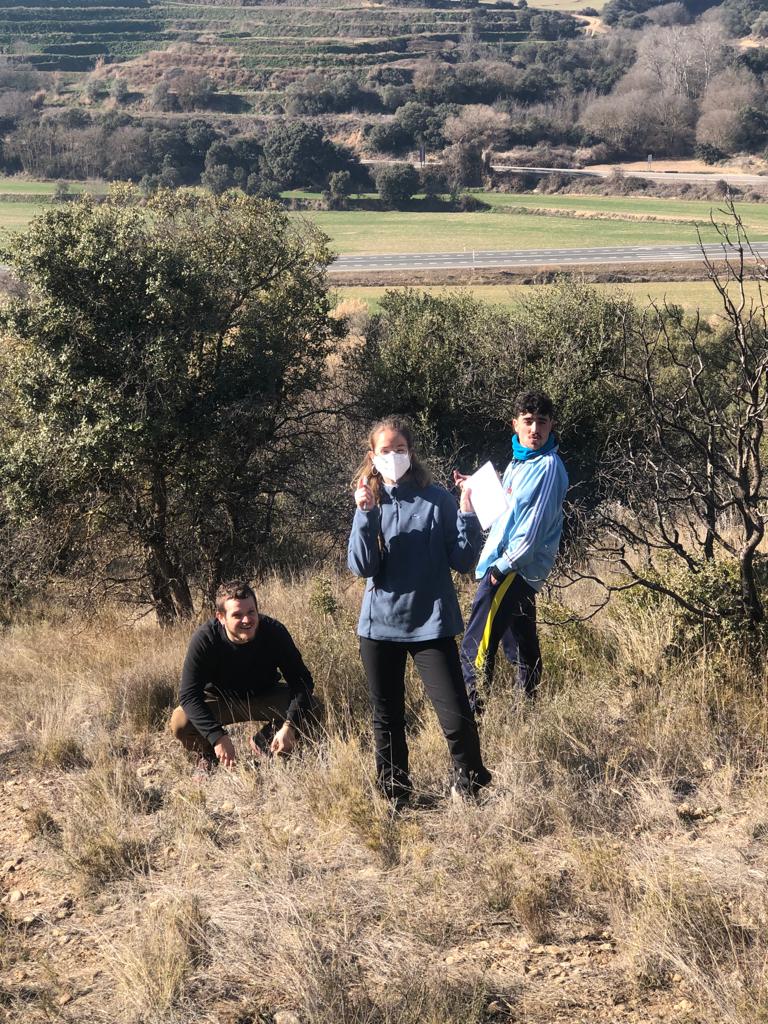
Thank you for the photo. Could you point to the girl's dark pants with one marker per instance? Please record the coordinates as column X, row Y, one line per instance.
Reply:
column 438, row 665
column 504, row 612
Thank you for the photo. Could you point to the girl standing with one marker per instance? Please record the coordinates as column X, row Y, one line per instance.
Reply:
column 407, row 535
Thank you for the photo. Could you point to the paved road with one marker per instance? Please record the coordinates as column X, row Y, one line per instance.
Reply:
column 708, row 177
column 530, row 258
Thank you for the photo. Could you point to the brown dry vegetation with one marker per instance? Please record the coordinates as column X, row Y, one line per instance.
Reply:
column 220, row 63
column 617, row 871
column 616, row 273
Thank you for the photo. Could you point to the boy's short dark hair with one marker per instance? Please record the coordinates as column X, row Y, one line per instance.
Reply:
column 237, row 589
column 535, row 402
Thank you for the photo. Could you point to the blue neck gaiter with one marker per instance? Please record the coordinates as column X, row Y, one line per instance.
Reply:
column 520, row 453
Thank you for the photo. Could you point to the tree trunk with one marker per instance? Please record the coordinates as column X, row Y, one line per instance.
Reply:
column 750, row 594
column 170, row 588
column 160, row 588
column 710, row 501
column 182, row 595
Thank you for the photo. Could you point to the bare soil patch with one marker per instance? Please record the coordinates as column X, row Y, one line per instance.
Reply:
column 750, row 165
column 592, row 274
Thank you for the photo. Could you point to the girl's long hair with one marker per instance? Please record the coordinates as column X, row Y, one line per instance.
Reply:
column 418, row 475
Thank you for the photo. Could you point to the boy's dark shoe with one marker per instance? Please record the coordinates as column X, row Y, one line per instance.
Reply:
column 400, row 797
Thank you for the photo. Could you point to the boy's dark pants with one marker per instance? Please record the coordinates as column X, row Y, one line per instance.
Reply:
column 269, row 705
column 506, row 612
column 437, row 662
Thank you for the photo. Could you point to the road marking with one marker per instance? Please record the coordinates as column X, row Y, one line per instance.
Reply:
column 526, row 257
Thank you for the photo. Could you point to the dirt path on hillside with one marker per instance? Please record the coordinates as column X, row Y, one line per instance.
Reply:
column 750, row 165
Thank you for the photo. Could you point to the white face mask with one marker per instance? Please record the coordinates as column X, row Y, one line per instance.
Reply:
column 393, row 465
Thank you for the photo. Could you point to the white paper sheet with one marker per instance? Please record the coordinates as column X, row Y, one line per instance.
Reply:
column 487, row 494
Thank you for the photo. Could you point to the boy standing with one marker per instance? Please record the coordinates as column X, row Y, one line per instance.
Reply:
column 519, row 552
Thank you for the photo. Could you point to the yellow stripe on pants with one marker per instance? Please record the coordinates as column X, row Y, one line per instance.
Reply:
column 498, row 597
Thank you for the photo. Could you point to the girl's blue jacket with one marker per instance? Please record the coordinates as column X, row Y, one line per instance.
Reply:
column 406, row 548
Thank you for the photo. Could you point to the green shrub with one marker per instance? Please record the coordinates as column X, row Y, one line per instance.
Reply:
column 715, row 587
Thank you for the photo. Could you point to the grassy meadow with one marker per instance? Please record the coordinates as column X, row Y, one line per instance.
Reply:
column 755, row 215
column 398, row 231
column 23, row 199
column 15, row 216
column 693, row 296
column 10, row 185
column 585, row 221
column 405, row 231
column 616, row 871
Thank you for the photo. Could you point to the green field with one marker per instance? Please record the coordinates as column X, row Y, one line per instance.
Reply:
column 356, row 231
column 15, row 216
column 396, row 232
column 359, row 231
column 755, row 215
column 25, row 186
column 405, row 232
column 691, row 295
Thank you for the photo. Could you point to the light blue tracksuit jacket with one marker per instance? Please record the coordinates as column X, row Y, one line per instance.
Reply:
column 526, row 537
column 406, row 547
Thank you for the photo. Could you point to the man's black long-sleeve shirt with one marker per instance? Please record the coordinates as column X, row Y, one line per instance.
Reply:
column 215, row 663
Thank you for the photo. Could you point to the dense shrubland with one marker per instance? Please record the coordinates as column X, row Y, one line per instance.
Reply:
column 181, row 403
column 158, row 154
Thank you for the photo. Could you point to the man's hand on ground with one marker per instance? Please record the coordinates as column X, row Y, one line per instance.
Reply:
column 225, row 751
column 284, row 740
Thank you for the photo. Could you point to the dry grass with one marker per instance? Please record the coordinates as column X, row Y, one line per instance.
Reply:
column 621, row 855
column 153, row 964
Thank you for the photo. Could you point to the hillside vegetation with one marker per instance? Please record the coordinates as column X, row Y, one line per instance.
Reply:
column 615, row 874
column 271, row 97
column 70, row 35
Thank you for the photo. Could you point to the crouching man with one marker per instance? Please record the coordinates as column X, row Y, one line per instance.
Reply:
column 241, row 666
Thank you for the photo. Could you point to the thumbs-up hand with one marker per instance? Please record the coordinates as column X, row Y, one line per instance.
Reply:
column 364, row 495
column 460, row 480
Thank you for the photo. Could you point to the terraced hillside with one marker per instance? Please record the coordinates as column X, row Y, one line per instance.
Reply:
column 71, row 35
column 359, row 35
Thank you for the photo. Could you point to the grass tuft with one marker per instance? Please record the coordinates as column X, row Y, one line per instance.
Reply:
column 146, row 695
column 153, row 964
